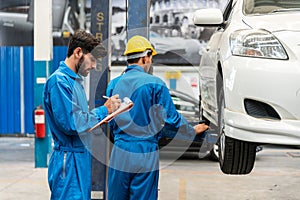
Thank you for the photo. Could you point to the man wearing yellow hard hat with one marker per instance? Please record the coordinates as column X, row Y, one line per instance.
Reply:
column 134, row 164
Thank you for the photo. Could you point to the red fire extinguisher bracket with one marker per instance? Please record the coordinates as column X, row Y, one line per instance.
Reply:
column 39, row 123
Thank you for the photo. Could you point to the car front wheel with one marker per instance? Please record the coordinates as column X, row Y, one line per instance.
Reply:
column 235, row 156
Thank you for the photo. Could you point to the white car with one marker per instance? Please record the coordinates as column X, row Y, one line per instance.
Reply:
column 250, row 78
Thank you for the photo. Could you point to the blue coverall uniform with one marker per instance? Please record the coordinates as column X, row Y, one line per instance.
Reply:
column 134, row 163
column 66, row 108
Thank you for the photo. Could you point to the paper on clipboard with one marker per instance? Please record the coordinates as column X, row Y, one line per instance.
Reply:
column 126, row 105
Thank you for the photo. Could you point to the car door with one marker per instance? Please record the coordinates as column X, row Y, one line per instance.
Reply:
column 208, row 70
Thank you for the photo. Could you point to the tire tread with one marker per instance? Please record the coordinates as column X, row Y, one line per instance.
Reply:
column 239, row 157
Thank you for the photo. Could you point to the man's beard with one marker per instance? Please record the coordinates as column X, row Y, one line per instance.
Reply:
column 78, row 65
column 149, row 69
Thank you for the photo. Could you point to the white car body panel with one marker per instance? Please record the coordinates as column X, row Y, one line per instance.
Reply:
column 274, row 22
column 271, row 81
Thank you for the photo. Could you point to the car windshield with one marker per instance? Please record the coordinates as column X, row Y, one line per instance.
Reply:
column 270, row 6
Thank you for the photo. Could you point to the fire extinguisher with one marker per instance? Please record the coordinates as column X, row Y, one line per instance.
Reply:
column 39, row 122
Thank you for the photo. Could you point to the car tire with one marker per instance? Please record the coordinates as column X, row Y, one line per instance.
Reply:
column 235, row 156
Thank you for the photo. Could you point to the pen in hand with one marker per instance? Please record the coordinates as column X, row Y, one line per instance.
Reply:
column 112, row 103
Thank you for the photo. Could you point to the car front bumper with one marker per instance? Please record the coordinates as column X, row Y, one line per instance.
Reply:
column 244, row 127
column 272, row 82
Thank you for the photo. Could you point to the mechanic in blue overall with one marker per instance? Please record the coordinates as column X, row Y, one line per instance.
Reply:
column 66, row 108
column 134, row 163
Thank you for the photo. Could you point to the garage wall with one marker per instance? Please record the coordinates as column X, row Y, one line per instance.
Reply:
column 10, row 90
column 17, row 87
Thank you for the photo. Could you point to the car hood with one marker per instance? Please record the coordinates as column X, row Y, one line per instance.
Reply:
column 275, row 22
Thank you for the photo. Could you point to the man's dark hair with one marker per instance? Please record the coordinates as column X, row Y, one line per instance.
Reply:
column 87, row 42
column 132, row 61
column 135, row 60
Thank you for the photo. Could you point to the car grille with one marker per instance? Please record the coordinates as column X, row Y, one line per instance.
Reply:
column 259, row 109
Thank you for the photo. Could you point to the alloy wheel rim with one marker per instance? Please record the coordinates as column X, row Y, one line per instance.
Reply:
column 222, row 134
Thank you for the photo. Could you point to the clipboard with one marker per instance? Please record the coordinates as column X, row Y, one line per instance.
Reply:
column 126, row 105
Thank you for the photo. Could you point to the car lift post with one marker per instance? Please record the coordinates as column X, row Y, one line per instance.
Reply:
column 138, row 18
column 101, row 13
column 43, row 45
column 138, row 23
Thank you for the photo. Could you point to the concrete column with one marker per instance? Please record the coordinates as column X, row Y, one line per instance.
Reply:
column 43, row 45
column 101, row 12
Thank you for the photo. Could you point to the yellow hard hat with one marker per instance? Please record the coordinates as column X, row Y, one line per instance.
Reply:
column 138, row 44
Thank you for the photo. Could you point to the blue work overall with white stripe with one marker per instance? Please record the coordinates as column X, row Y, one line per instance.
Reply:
column 134, row 163
column 65, row 104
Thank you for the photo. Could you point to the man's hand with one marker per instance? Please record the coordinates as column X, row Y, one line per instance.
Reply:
column 200, row 128
column 113, row 103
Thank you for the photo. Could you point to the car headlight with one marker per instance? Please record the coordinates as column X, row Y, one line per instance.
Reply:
column 256, row 43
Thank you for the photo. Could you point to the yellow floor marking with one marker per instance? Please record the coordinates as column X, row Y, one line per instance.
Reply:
column 182, row 189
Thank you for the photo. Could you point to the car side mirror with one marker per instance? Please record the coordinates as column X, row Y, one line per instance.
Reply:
column 208, row 17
